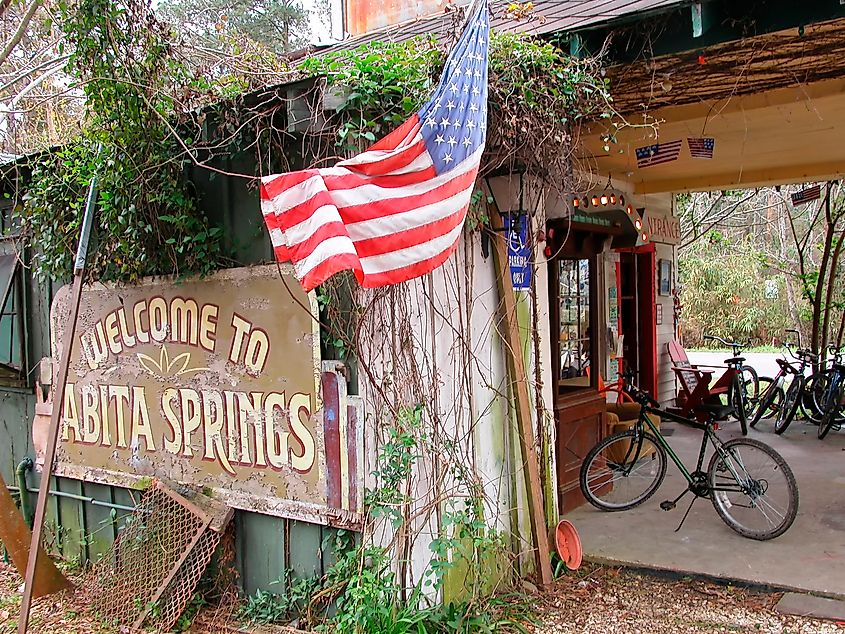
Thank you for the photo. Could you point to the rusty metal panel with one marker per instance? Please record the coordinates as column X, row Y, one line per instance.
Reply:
column 214, row 382
column 367, row 21
column 363, row 16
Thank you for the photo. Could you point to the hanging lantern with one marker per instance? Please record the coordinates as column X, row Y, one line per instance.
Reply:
column 638, row 224
column 604, row 200
column 613, row 199
column 576, row 202
column 595, row 201
column 645, row 237
column 630, row 210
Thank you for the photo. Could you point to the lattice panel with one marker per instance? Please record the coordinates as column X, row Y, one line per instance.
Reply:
column 152, row 570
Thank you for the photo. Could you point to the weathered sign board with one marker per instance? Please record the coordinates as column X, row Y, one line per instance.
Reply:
column 663, row 228
column 215, row 382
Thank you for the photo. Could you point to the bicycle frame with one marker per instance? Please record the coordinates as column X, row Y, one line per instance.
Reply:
column 709, row 437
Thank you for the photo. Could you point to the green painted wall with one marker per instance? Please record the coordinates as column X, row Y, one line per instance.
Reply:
column 265, row 546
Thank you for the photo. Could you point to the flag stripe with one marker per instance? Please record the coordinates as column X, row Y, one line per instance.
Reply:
column 354, row 201
column 328, row 267
column 410, row 268
column 413, row 235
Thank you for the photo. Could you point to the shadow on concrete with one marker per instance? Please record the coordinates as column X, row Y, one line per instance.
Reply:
column 809, row 557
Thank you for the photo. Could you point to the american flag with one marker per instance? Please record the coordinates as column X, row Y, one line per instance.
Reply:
column 806, row 195
column 395, row 211
column 658, row 153
column 701, row 147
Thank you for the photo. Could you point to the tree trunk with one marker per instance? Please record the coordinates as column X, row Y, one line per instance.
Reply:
column 830, row 229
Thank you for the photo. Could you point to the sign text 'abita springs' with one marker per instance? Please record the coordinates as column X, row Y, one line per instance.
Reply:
column 213, row 382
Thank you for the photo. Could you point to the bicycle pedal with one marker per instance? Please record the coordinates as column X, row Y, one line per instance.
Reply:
column 667, row 505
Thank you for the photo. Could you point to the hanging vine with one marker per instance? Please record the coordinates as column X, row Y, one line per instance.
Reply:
column 149, row 220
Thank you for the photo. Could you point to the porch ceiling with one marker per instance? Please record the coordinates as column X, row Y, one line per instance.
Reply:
column 780, row 136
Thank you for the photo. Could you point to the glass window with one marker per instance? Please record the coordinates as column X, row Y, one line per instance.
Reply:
column 575, row 341
column 11, row 327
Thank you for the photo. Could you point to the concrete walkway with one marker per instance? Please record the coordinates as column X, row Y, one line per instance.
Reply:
column 809, row 557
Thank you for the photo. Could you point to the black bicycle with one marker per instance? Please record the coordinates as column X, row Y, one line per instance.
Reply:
column 780, row 399
column 744, row 388
column 750, row 485
column 833, row 404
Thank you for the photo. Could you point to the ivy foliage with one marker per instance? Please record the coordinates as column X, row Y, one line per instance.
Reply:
column 149, row 221
column 537, row 96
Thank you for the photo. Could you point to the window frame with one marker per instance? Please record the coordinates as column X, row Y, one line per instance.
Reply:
column 12, row 376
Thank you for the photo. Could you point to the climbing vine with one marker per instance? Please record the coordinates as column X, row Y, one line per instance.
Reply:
column 538, row 97
column 149, row 219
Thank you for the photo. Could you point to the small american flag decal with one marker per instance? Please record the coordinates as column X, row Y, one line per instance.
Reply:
column 658, row 153
column 701, row 147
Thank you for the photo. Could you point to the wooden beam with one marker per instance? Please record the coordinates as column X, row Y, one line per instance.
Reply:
column 519, row 381
column 746, row 178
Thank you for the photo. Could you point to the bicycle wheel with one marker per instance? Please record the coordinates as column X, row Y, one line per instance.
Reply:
column 753, row 489
column 817, row 392
column 622, row 471
column 812, row 401
column 750, row 388
column 832, row 407
column 790, row 404
column 738, row 401
column 770, row 401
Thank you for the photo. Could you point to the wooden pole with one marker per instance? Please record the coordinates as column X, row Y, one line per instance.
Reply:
column 58, row 405
column 519, row 379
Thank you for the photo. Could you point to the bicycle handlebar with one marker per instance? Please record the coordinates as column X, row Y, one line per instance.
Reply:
column 640, row 396
column 731, row 344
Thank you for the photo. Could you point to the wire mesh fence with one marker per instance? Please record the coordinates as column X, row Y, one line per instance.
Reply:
column 152, row 570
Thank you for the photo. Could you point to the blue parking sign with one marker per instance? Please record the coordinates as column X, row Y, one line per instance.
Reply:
column 519, row 250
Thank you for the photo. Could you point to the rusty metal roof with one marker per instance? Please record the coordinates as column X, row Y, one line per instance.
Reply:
column 547, row 16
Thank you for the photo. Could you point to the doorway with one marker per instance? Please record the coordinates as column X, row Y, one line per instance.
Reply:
column 637, row 322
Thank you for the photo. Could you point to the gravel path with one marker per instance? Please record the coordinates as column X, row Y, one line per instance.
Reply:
column 596, row 600
column 601, row 600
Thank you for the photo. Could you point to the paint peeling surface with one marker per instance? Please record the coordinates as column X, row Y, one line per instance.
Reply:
column 215, row 382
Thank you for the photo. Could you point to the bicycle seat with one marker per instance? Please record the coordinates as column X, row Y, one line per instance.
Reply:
column 717, row 411
column 784, row 364
column 734, row 360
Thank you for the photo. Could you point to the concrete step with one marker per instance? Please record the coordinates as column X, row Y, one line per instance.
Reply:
column 801, row 604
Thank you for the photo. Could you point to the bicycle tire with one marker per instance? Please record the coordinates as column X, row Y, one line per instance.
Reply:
column 791, row 399
column 832, row 406
column 737, row 398
column 772, row 397
column 613, row 455
column 818, row 396
column 812, row 401
column 733, row 461
column 751, row 388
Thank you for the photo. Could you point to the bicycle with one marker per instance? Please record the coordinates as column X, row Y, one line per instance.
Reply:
column 785, row 402
column 813, row 405
column 741, row 380
column 833, row 408
column 750, row 485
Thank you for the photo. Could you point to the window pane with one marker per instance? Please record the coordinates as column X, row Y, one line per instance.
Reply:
column 10, row 329
column 574, row 278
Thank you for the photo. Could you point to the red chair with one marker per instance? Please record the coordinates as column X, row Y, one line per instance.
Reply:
column 694, row 383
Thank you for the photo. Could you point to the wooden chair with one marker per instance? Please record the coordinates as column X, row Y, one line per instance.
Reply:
column 693, row 383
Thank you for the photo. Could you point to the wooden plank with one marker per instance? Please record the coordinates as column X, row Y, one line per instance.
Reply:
column 263, row 554
column 99, row 522
column 72, row 528
column 519, row 379
column 305, row 542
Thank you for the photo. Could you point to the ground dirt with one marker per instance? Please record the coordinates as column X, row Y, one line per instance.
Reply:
column 596, row 599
